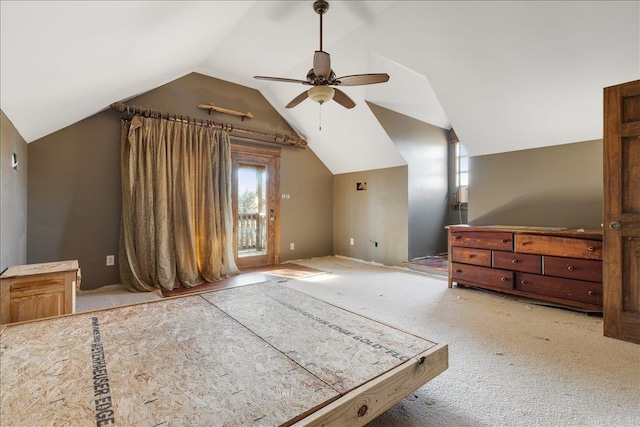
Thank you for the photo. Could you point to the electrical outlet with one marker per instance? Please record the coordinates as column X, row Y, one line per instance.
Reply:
column 111, row 260
column 292, row 246
column 351, row 241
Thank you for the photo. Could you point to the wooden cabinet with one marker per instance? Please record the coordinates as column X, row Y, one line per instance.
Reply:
column 36, row 291
column 560, row 266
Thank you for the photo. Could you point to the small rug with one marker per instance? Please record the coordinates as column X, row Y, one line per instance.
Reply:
column 437, row 264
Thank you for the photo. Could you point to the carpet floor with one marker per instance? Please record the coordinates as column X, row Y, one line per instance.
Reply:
column 511, row 362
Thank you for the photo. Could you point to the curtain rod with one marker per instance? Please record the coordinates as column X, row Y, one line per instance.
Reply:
column 235, row 131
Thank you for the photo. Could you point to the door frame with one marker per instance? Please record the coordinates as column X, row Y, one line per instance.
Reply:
column 270, row 159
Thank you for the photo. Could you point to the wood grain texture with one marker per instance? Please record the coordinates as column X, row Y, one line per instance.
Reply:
column 178, row 362
column 558, row 260
column 483, row 239
column 365, row 403
column 573, row 268
column 471, row 256
column 253, row 355
column 487, row 277
column 621, row 168
column 339, row 347
column 565, row 289
column 558, row 246
column 517, row 262
column 43, row 268
column 37, row 291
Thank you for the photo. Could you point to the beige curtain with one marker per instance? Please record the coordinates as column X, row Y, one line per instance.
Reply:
column 177, row 219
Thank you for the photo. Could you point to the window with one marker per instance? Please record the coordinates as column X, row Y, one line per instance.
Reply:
column 462, row 166
column 461, row 176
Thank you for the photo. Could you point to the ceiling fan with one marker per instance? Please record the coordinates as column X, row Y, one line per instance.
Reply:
column 322, row 77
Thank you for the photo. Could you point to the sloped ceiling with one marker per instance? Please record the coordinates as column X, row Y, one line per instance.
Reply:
column 506, row 75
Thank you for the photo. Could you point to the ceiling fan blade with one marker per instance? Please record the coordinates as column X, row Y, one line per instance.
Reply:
column 343, row 99
column 322, row 65
column 362, row 79
column 297, row 100
column 281, row 79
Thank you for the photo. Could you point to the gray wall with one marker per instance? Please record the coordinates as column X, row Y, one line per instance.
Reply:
column 74, row 180
column 553, row 186
column 306, row 217
column 13, row 196
column 380, row 214
column 425, row 149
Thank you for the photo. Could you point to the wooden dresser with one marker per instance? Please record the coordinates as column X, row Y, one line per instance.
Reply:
column 35, row 291
column 560, row 266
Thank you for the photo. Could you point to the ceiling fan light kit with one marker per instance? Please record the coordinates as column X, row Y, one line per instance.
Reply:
column 321, row 94
column 322, row 77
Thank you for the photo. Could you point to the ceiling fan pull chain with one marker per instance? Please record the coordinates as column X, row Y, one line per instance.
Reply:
column 320, row 117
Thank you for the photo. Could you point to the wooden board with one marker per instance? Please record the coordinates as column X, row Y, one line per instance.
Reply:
column 254, row 355
column 44, row 268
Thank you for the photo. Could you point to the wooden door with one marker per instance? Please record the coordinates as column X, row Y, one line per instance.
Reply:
column 256, row 228
column 622, row 211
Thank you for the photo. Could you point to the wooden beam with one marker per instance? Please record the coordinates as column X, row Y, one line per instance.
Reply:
column 370, row 400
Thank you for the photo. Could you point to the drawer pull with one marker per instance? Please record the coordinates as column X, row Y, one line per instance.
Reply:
column 504, row 279
column 471, row 256
column 592, row 293
column 514, row 261
column 524, row 243
column 505, row 240
column 456, row 237
column 458, row 271
column 591, row 248
column 570, row 267
column 523, row 282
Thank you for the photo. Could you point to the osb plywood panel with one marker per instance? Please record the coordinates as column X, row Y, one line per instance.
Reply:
column 171, row 362
column 339, row 347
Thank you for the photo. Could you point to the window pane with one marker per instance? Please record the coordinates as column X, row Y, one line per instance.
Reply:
column 464, row 178
column 464, row 164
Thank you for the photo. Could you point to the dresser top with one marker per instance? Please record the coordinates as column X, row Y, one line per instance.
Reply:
column 32, row 269
column 553, row 231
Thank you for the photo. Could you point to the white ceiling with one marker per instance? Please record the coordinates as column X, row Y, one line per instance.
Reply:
column 506, row 75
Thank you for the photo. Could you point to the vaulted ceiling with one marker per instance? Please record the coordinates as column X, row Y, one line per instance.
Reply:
column 506, row 75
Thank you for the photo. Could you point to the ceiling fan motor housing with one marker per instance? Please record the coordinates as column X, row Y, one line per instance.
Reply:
column 321, row 7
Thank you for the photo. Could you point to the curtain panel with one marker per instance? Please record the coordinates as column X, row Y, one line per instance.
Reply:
column 177, row 218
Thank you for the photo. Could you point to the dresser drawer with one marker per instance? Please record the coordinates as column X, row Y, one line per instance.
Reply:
column 481, row 276
column 573, row 268
column 519, row 262
column 567, row 289
column 558, row 246
column 482, row 239
column 471, row 256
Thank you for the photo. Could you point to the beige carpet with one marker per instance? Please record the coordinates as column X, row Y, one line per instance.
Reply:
column 111, row 296
column 512, row 363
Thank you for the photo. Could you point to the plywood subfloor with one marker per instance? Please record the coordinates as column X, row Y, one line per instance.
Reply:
column 253, row 355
